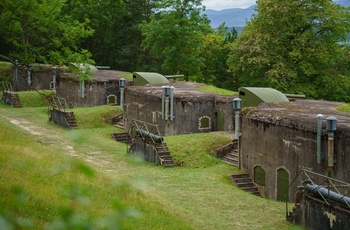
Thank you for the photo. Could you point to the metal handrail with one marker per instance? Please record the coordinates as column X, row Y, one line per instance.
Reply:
column 147, row 126
column 328, row 180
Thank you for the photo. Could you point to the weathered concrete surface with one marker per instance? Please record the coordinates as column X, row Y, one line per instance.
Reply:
column 144, row 150
column 103, row 84
column 283, row 136
column 59, row 117
column 190, row 106
column 40, row 77
column 314, row 213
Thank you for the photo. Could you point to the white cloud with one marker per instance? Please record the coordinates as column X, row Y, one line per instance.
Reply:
column 227, row 4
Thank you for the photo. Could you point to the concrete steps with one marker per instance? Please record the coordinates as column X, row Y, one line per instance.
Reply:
column 72, row 122
column 164, row 155
column 118, row 121
column 122, row 137
column 231, row 158
column 244, row 182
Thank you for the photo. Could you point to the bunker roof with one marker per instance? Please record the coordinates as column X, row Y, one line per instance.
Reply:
column 108, row 75
column 99, row 75
column 253, row 96
column 183, row 91
column 300, row 113
column 143, row 78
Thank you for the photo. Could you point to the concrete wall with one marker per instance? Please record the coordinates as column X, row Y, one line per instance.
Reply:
column 314, row 213
column 290, row 145
column 144, row 150
column 95, row 92
column 41, row 76
column 59, row 118
column 188, row 112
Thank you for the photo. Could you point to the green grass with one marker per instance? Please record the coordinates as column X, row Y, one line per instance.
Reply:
column 5, row 70
column 196, row 154
column 127, row 75
column 95, row 117
column 34, row 98
column 345, row 108
column 88, row 172
column 213, row 89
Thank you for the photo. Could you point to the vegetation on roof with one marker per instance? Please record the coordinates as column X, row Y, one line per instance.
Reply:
column 214, row 89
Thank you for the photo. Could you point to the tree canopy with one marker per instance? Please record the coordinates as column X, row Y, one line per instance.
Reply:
column 38, row 32
column 175, row 34
column 293, row 46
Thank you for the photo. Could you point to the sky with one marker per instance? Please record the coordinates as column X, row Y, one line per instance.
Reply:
column 227, row 4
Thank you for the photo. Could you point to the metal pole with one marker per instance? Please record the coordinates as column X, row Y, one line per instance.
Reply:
column 121, row 89
column 16, row 70
column 54, row 78
column 172, row 103
column 167, row 108
column 319, row 134
column 237, row 125
column 121, row 97
column 237, row 108
column 331, row 127
column 29, row 78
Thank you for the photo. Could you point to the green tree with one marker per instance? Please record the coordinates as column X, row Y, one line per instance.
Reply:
column 292, row 46
column 105, row 18
column 175, row 35
column 38, row 32
column 215, row 54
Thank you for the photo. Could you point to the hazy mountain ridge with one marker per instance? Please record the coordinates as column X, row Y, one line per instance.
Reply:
column 237, row 17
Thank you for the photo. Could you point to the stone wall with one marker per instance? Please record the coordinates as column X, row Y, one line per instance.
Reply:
column 10, row 98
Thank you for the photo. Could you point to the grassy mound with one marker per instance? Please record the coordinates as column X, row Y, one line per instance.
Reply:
column 95, row 117
column 34, row 98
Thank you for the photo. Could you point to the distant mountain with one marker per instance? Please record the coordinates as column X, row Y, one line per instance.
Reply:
column 237, row 17
column 343, row 2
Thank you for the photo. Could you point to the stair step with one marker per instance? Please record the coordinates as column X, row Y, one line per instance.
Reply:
column 234, row 176
column 230, row 163
column 230, row 158
column 122, row 137
column 244, row 182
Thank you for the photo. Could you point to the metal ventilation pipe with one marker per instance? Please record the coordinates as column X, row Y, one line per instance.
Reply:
column 121, row 89
column 54, row 78
column 237, row 109
column 29, row 77
column 331, row 127
column 319, row 135
column 82, row 89
column 16, row 70
column 172, row 103
column 165, row 102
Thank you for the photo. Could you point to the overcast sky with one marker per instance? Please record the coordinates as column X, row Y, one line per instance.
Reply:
column 227, row 4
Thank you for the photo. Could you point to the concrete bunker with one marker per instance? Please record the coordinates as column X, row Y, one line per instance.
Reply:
column 281, row 138
column 103, row 89
column 184, row 109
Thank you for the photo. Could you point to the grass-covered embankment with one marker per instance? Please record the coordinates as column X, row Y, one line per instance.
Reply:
column 84, row 172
